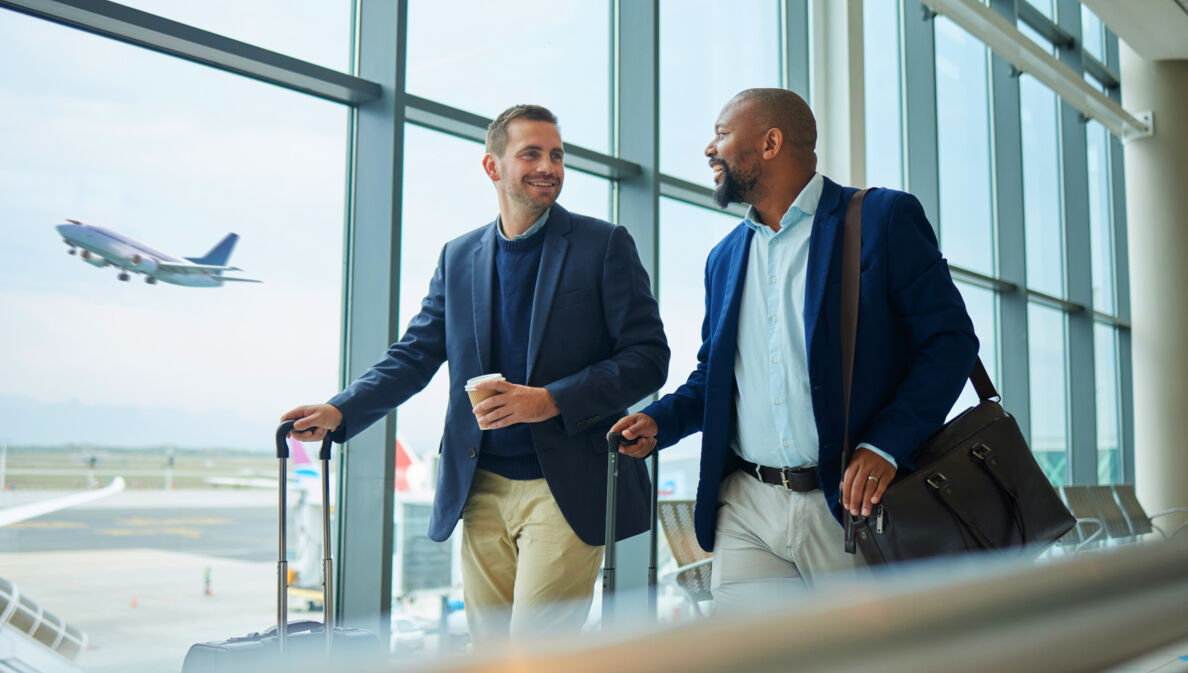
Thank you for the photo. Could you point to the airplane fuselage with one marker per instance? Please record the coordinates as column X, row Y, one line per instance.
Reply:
column 100, row 247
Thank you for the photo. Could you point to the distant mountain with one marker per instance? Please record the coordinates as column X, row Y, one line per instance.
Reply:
column 25, row 421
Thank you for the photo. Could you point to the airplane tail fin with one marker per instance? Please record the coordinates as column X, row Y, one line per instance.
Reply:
column 303, row 464
column 219, row 254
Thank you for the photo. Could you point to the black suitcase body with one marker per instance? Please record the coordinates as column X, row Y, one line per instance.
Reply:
column 259, row 651
column 301, row 645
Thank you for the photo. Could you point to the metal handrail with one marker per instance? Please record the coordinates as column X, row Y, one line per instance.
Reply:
column 972, row 614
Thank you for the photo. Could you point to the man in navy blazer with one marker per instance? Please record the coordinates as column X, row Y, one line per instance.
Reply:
column 767, row 391
column 560, row 305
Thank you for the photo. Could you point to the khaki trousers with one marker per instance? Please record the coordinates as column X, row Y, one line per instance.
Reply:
column 770, row 543
column 524, row 570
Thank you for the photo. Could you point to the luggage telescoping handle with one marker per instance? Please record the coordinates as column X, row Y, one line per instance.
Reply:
column 282, row 564
column 613, row 441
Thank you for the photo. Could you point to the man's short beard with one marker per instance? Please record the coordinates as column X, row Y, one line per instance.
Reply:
column 735, row 188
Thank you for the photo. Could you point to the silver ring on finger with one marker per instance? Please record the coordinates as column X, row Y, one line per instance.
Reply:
column 872, row 478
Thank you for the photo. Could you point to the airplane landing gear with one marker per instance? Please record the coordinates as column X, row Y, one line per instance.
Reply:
column 72, row 251
column 123, row 275
column 150, row 280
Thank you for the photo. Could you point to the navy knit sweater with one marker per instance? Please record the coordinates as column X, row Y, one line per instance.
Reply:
column 509, row 451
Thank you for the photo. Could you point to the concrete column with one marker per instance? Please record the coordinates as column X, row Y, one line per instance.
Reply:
column 1157, row 216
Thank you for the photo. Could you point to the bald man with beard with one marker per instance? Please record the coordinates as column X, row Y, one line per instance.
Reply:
column 767, row 390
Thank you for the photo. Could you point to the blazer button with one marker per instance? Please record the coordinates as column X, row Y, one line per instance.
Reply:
column 472, row 453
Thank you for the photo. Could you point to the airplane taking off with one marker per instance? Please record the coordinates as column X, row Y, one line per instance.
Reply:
column 103, row 247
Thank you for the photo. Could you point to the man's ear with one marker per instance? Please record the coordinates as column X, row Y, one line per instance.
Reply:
column 773, row 142
column 491, row 167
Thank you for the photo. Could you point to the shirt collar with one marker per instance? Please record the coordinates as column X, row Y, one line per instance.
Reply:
column 803, row 207
column 536, row 226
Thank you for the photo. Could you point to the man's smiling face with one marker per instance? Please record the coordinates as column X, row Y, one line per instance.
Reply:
column 733, row 155
column 532, row 166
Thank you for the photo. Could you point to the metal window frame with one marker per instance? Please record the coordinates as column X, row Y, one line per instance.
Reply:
column 166, row 36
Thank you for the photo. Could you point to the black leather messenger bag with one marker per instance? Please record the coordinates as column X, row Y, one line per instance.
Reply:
column 977, row 486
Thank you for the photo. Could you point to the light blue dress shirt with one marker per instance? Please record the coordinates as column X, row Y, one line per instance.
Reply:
column 536, row 226
column 775, row 425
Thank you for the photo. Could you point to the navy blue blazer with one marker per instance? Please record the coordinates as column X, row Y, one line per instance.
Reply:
column 915, row 344
column 595, row 342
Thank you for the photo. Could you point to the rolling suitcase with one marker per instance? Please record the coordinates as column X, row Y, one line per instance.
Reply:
column 614, row 440
column 300, row 644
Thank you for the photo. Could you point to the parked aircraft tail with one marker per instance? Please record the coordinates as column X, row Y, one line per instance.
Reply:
column 219, row 254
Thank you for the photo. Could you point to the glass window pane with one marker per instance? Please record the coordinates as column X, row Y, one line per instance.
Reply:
column 1092, row 34
column 318, row 31
column 169, row 386
column 982, row 306
column 1049, row 406
column 687, row 234
column 1109, row 426
column 963, row 148
column 1045, row 7
column 1101, row 229
column 709, row 51
column 1035, row 36
column 1041, row 188
column 485, row 57
column 884, row 93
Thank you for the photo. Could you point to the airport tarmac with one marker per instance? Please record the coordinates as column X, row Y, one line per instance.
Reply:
column 130, row 571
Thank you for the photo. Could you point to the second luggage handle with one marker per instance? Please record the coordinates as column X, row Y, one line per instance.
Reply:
column 282, row 566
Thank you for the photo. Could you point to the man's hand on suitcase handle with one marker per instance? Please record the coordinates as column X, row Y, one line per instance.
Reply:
column 639, row 434
column 313, row 421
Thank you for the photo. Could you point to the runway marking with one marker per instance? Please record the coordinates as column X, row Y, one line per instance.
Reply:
column 46, row 525
column 180, row 531
column 177, row 521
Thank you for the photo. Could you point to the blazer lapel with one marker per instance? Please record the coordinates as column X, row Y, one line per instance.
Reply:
column 552, row 260
column 735, row 281
column 824, row 239
column 481, row 276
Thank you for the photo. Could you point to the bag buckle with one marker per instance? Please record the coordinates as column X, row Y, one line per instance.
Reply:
column 936, row 480
column 980, row 451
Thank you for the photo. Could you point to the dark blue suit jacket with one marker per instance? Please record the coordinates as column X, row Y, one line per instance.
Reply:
column 595, row 342
column 915, row 344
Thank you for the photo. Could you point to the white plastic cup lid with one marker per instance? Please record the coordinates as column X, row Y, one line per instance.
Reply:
column 471, row 383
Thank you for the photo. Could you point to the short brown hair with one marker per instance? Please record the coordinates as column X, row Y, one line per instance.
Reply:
column 497, row 131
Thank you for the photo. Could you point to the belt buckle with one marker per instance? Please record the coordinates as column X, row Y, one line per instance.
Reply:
column 784, row 478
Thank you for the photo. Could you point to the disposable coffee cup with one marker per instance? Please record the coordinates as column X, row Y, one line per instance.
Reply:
column 477, row 396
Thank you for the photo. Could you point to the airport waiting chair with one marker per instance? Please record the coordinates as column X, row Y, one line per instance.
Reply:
column 692, row 575
column 1140, row 522
column 1117, row 527
column 1089, row 526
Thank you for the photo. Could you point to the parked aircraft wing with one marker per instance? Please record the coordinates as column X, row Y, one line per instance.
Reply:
column 13, row 515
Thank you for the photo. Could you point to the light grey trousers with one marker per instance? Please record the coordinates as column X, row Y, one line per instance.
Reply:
column 770, row 543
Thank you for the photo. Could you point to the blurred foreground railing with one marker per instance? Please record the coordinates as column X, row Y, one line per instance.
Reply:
column 1074, row 614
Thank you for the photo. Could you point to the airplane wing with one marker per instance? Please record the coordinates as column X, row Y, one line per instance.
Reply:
column 173, row 267
column 19, row 513
column 240, row 280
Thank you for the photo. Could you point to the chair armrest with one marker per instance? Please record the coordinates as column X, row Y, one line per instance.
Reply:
column 1170, row 510
column 1092, row 536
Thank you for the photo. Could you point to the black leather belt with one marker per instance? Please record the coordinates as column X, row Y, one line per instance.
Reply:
column 799, row 479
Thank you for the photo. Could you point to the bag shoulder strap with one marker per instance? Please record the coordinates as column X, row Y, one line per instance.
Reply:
column 851, row 258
